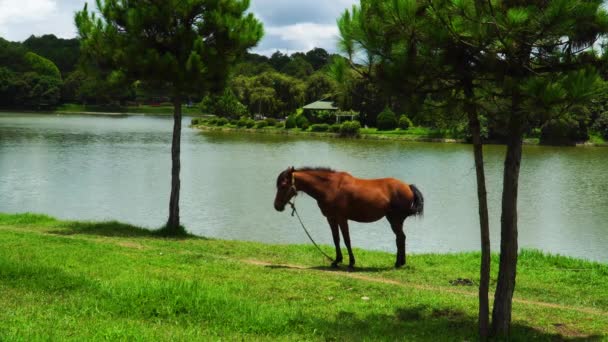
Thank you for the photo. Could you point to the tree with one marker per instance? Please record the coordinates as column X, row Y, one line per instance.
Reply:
column 319, row 86
column 278, row 60
column 188, row 45
column 63, row 52
column 298, row 67
column 523, row 57
column 317, row 57
column 224, row 105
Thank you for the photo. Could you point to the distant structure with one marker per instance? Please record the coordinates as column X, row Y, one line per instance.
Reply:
column 328, row 105
column 321, row 105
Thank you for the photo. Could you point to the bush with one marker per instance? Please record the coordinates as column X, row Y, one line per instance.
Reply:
column 323, row 116
column 601, row 125
column 290, row 122
column 223, row 105
column 261, row 124
column 386, row 120
column 335, row 128
column 280, row 125
column 245, row 122
column 250, row 123
column 563, row 131
column 271, row 122
column 212, row 121
column 233, row 122
column 242, row 122
column 350, row 128
column 302, row 122
column 319, row 128
column 221, row 122
column 195, row 121
column 405, row 122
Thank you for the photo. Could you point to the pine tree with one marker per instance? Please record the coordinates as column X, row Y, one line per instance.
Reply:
column 185, row 45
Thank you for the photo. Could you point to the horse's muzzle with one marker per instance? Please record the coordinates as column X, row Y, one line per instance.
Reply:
column 278, row 207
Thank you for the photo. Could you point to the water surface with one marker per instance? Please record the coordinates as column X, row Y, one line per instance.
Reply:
column 118, row 168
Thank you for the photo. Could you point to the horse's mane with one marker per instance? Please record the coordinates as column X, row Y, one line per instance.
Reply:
column 309, row 168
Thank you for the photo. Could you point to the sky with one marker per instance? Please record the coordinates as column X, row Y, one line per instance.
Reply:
column 290, row 25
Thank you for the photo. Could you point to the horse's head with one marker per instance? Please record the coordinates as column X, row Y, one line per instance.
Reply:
column 285, row 189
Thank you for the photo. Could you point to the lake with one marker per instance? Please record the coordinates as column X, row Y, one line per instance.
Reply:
column 118, row 168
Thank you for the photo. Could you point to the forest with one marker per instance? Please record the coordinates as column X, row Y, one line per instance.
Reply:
column 46, row 72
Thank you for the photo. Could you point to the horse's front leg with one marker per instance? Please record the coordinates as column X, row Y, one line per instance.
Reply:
column 333, row 224
column 346, row 236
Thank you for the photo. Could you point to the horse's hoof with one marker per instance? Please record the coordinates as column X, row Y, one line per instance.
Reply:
column 351, row 268
column 334, row 264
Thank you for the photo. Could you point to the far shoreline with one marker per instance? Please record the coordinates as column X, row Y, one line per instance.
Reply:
column 367, row 136
column 294, row 132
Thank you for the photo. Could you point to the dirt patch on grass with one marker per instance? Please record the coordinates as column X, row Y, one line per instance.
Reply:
column 131, row 244
column 569, row 332
column 368, row 278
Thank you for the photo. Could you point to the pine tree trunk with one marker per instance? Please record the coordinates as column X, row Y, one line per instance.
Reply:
column 503, row 297
column 484, row 225
column 173, row 221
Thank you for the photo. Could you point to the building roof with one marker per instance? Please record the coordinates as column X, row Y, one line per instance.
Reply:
column 321, row 105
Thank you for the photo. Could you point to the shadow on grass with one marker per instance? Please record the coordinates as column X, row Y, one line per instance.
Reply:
column 118, row 229
column 357, row 269
column 332, row 269
column 425, row 323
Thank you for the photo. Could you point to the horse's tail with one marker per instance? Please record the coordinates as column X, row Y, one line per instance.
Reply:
column 418, row 204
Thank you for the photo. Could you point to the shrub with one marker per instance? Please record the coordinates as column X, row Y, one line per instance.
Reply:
column 221, row 122
column 290, row 122
column 386, row 120
column 250, row 123
column 223, row 105
column 261, row 124
column 335, row 128
column 323, row 116
column 563, row 131
column 280, row 125
column 350, row 128
column 271, row 122
column 601, row 125
column 245, row 122
column 302, row 122
column 405, row 122
column 319, row 128
column 212, row 121
column 195, row 121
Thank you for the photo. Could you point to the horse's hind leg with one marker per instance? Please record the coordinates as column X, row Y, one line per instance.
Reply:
column 397, row 226
column 333, row 224
column 346, row 236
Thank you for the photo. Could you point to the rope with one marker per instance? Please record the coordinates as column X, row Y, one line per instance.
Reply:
column 294, row 211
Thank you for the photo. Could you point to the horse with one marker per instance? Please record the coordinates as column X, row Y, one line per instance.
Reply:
column 342, row 197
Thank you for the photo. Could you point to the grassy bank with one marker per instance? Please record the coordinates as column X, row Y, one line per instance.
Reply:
column 422, row 134
column 141, row 109
column 74, row 280
column 415, row 134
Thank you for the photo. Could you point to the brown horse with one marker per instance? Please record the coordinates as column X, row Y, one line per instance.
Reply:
column 342, row 197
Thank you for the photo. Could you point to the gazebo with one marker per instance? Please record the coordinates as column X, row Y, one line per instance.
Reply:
column 327, row 105
column 321, row 105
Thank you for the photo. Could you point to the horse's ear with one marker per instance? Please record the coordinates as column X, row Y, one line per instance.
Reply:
column 292, row 169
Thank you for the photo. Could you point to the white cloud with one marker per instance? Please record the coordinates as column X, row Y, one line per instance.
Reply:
column 19, row 11
column 301, row 36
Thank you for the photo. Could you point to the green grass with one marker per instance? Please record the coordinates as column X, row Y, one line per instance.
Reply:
column 91, row 281
column 597, row 139
column 141, row 109
column 412, row 134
